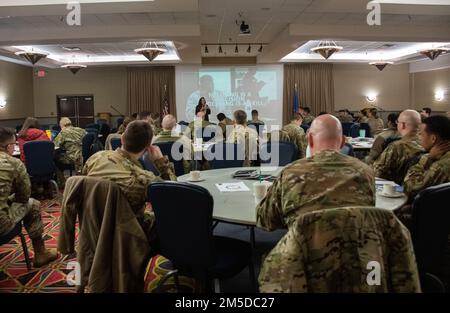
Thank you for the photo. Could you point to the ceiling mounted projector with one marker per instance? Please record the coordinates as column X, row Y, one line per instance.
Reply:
column 244, row 29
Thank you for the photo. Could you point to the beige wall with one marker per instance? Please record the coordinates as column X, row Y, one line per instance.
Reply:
column 352, row 82
column 425, row 84
column 16, row 87
column 108, row 85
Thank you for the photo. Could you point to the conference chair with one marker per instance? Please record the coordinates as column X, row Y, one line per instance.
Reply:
column 347, row 149
column 93, row 125
column 305, row 127
column 225, row 155
column 39, row 162
column 366, row 127
column 287, row 153
column 346, row 127
column 86, row 145
column 430, row 229
column 92, row 131
column 116, row 143
column 166, row 149
column 188, row 240
column 148, row 165
column 354, row 130
column 17, row 231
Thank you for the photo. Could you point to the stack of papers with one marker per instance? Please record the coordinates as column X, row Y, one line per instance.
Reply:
column 232, row 187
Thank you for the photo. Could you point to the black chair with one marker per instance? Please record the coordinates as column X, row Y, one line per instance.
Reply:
column 305, row 127
column 431, row 284
column 56, row 128
column 225, row 155
column 347, row 149
column 17, row 231
column 39, row 162
column 18, row 128
column 366, row 127
column 166, row 149
column 354, row 130
column 119, row 121
column 116, row 143
column 346, row 127
column 430, row 229
column 86, row 145
column 148, row 165
column 188, row 241
column 93, row 125
column 287, row 153
column 92, row 131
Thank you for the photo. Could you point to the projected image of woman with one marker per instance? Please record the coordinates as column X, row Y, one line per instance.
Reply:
column 203, row 106
column 206, row 90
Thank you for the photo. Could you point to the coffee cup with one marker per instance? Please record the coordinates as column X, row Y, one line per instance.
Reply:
column 195, row 175
column 388, row 189
column 259, row 190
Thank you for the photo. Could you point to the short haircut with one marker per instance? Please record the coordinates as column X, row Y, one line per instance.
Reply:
column 169, row 122
column 240, row 117
column 65, row 121
column 6, row 134
column 296, row 117
column 438, row 125
column 322, row 113
column 342, row 111
column 137, row 136
column 393, row 117
column 306, row 109
column 221, row 116
column 143, row 115
column 427, row 110
column 254, row 112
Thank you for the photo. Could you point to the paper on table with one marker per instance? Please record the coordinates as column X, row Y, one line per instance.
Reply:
column 232, row 187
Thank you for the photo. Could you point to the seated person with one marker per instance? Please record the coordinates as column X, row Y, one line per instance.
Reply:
column 379, row 143
column 344, row 116
column 307, row 116
column 122, row 166
column 224, row 122
column 168, row 134
column 30, row 131
column 196, row 125
column 15, row 202
column 69, row 140
column 376, row 124
column 155, row 122
column 426, row 112
column 297, row 134
column 119, row 133
column 395, row 160
column 244, row 135
column 433, row 168
column 327, row 179
column 255, row 118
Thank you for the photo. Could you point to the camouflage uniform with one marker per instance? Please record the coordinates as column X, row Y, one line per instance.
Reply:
column 118, row 166
column 168, row 136
column 326, row 180
column 308, row 119
column 15, row 201
column 393, row 163
column 345, row 119
column 70, row 140
column 248, row 137
column 427, row 173
column 297, row 136
column 195, row 125
column 223, row 125
column 379, row 144
column 330, row 250
column 376, row 125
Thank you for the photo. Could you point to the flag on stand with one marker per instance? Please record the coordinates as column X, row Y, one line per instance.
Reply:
column 165, row 102
column 295, row 99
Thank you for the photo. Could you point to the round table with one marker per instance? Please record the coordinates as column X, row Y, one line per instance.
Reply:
column 239, row 207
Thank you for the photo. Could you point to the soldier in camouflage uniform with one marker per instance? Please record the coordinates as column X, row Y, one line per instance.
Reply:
column 244, row 135
column 119, row 133
column 297, row 134
column 326, row 180
column 196, row 125
column 308, row 118
column 331, row 250
column 122, row 166
column 169, row 135
column 433, row 168
column 379, row 144
column 70, row 141
column 394, row 162
column 15, row 202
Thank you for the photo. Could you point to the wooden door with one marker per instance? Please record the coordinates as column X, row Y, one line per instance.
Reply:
column 80, row 109
column 85, row 111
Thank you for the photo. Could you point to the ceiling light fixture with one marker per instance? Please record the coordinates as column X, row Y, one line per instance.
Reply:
column 73, row 67
column 326, row 49
column 32, row 56
column 439, row 95
column 2, row 103
column 381, row 64
column 150, row 52
column 371, row 97
column 434, row 53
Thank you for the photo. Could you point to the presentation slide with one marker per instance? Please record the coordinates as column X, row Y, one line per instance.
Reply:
column 230, row 88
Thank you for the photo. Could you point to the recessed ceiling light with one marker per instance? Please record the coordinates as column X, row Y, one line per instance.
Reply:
column 72, row 48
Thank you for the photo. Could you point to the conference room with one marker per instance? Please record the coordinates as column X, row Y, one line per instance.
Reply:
column 206, row 146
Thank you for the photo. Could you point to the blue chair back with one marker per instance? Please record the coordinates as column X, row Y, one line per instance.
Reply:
column 366, row 127
column 347, row 149
column 92, row 131
column 187, row 240
column 93, row 125
column 346, row 128
column 354, row 130
column 116, row 143
column 166, row 149
column 87, row 142
column 287, row 153
column 225, row 155
column 148, row 165
column 56, row 128
column 39, row 160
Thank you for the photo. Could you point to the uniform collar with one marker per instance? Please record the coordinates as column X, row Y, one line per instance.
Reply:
column 127, row 156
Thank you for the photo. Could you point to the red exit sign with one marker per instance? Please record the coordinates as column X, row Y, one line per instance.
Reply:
column 41, row 73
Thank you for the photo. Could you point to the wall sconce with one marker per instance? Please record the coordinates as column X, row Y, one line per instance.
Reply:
column 371, row 97
column 2, row 103
column 439, row 95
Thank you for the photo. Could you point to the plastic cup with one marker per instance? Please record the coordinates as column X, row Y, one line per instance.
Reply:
column 362, row 133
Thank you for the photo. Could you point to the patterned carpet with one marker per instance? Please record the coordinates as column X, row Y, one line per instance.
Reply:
column 15, row 277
